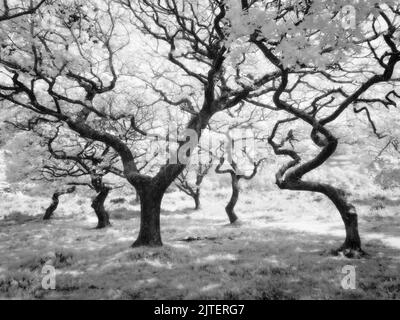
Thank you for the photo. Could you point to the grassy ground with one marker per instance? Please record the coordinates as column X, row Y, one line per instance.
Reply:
column 279, row 251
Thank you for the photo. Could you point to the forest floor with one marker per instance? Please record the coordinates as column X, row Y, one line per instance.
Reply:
column 280, row 250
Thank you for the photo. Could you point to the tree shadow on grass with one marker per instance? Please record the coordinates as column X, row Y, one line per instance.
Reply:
column 372, row 201
column 181, row 212
column 385, row 226
column 247, row 263
column 123, row 214
column 16, row 218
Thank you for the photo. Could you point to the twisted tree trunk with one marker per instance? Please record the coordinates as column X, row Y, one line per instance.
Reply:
column 103, row 218
column 98, row 206
column 229, row 209
column 55, row 201
column 352, row 244
column 235, row 178
column 290, row 177
column 233, row 200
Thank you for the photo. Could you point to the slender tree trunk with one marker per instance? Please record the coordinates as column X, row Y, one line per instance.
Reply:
column 234, row 198
column 55, row 201
column 150, row 209
column 98, row 206
column 196, row 197
column 53, row 206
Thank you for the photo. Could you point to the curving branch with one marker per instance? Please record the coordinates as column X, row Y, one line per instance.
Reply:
column 9, row 13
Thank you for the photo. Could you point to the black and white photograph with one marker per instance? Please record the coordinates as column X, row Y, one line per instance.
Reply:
column 199, row 154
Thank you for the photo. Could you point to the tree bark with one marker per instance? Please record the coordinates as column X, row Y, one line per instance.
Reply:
column 229, row 209
column 196, row 197
column 55, row 201
column 53, row 206
column 98, row 206
column 233, row 200
column 150, row 209
column 352, row 243
column 103, row 218
column 137, row 198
